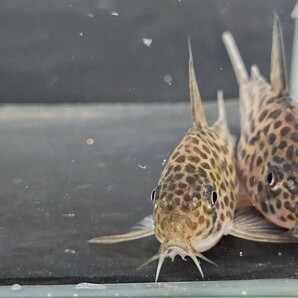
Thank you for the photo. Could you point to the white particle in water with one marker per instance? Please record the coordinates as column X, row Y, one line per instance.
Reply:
column 75, row 295
column 69, row 251
column 142, row 167
column 168, row 79
column 81, row 33
column 49, row 295
column 90, row 141
column 244, row 293
column 164, row 162
column 240, row 254
column 90, row 15
column 147, row 41
column 279, row 253
column 68, row 215
column 114, row 13
column 16, row 287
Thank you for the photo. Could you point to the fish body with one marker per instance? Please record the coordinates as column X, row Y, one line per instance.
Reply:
column 267, row 151
column 195, row 198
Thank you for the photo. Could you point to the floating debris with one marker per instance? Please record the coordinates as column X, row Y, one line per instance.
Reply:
column 164, row 162
column 142, row 167
column 168, row 79
column 90, row 141
column 114, row 13
column 147, row 41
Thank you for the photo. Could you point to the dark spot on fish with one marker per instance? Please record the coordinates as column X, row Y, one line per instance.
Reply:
column 175, row 154
column 177, row 168
column 172, row 186
column 294, row 137
column 274, row 114
column 226, row 200
column 195, row 141
column 282, row 218
column 274, row 150
column 265, row 129
column 278, row 204
column 260, row 186
column 278, row 159
column 271, row 138
column 186, row 197
column 272, row 210
column 285, row 195
column 206, row 148
column 182, row 185
column 288, row 206
column 205, row 165
column 252, row 181
column 263, row 115
column 179, row 192
column 178, row 176
column 180, row 159
column 277, row 124
column 202, row 172
column 190, row 168
column 289, row 152
column 193, row 159
column 285, row 130
column 289, row 117
column 264, row 207
column 282, row 145
column 287, row 167
column 252, row 126
column 207, row 223
column 202, row 154
column 190, row 180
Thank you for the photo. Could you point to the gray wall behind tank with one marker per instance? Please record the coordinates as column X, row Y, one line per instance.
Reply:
column 92, row 51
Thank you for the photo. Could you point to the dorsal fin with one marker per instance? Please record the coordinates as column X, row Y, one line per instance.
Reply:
column 198, row 114
column 277, row 71
column 235, row 57
column 221, row 108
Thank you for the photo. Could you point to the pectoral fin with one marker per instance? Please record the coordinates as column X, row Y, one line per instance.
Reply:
column 143, row 229
column 251, row 225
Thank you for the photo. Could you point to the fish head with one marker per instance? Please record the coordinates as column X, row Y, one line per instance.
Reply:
column 194, row 200
column 271, row 163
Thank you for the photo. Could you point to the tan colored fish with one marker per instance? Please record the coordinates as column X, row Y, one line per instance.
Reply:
column 267, row 152
column 197, row 193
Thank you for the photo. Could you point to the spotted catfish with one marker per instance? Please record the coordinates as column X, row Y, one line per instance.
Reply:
column 267, row 152
column 196, row 195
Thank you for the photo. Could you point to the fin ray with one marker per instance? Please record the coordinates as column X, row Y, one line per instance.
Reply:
column 251, row 225
column 198, row 113
column 134, row 235
column 278, row 70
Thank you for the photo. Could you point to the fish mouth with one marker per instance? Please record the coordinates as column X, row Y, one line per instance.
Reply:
column 171, row 251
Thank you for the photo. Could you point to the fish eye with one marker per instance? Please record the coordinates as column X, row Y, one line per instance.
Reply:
column 153, row 195
column 214, row 197
column 271, row 179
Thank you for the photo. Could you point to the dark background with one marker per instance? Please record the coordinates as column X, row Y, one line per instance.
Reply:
column 79, row 51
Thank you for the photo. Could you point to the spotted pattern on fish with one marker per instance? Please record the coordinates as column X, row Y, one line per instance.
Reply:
column 195, row 199
column 267, row 153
